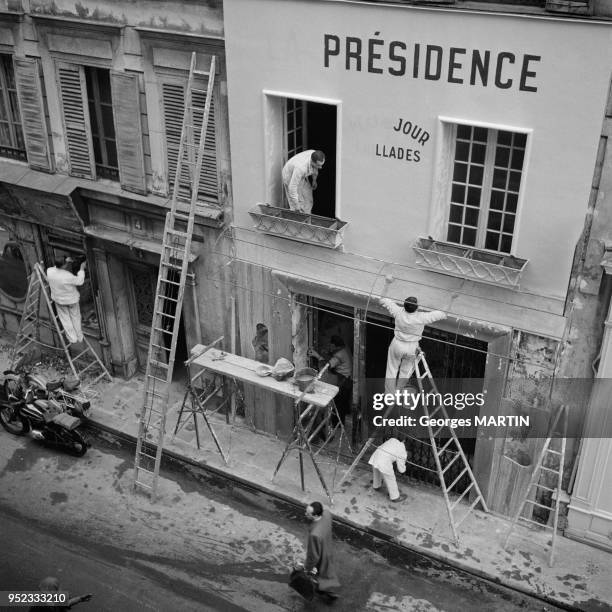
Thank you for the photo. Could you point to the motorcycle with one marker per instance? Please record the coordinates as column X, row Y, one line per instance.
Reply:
column 45, row 419
column 64, row 391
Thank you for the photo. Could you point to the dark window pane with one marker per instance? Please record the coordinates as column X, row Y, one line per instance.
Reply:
column 517, row 159
column 515, row 181
column 458, row 194
column 508, row 224
column 96, row 148
column 497, row 200
column 511, row 202
column 478, row 153
column 469, row 237
column 460, row 173
column 471, row 216
column 520, row 140
column 480, row 134
column 504, row 138
column 502, row 156
column 464, row 131
column 476, row 175
column 88, row 83
column 104, row 85
column 456, row 214
column 491, row 241
column 506, row 244
column 111, row 151
column 291, row 121
column 495, row 220
column 107, row 121
column 499, row 179
column 473, row 196
column 92, row 117
column 462, row 151
column 454, row 233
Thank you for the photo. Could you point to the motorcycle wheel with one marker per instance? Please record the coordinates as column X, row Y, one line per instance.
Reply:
column 78, row 442
column 11, row 421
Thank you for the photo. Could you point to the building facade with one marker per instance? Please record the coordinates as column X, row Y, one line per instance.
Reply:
column 92, row 108
column 461, row 146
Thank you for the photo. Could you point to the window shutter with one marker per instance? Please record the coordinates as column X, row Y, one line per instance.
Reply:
column 33, row 120
column 126, row 109
column 73, row 94
column 173, row 101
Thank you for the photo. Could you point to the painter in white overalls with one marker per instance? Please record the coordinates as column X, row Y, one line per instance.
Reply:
column 409, row 324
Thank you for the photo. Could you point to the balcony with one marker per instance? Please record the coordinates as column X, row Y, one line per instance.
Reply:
column 470, row 263
column 303, row 227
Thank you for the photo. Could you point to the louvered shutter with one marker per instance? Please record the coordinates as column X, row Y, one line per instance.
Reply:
column 126, row 109
column 33, row 120
column 173, row 101
column 73, row 94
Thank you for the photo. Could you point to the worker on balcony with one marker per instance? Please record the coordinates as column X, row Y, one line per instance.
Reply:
column 300, row 179
column 409, row 324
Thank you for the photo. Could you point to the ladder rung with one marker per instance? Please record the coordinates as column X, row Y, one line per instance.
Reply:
column 458, row 500
column 143, row 484
column 163, row 380
column 437, row 431
column 450, row 441
column 522, row 518
column 554, row 452
column 539, row 486
column 169, row 265
column 549, row 470
column 93, row 363
column 163, row 314
column 147, row 455
column 451, row 463
column 163, row 331
column 534, row 503
column 169, row 282
column 457, row 479
column 473, row 505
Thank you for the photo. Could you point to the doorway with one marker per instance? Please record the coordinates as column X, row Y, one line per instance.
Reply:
column 312, row 125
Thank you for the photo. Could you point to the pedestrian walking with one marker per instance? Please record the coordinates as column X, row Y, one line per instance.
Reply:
column 382, row 461
column 319, row 554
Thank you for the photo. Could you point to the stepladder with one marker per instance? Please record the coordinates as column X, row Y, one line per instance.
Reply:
column 543, row 493
column 173, row 271
column 82, row 359
column 453, row 469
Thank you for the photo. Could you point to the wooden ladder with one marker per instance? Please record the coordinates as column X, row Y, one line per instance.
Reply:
column 446, row 453
column 534, row 486
column 86, row 360
column 173, row 271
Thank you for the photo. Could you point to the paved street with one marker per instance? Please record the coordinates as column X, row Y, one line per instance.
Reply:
column 203, row 546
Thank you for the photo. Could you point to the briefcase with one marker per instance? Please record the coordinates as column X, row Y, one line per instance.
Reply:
column 304, row 583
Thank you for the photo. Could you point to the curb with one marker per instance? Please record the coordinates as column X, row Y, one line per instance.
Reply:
column 359, row 530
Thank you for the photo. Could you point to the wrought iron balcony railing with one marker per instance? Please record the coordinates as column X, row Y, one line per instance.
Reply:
column 303, row 227
column 468, row 262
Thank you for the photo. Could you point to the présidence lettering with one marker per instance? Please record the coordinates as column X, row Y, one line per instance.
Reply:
column 484, row 68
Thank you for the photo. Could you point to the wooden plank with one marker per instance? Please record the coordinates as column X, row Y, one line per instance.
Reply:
column 244, row 369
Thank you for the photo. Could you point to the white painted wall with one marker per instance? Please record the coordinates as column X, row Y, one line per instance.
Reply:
column 388, row 202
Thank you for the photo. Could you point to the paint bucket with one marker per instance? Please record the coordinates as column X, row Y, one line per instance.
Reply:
column 304, row 377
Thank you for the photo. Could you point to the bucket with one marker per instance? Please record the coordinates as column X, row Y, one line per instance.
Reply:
column 304, row 377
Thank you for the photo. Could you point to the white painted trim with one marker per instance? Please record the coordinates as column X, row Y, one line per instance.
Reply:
column 319, row 100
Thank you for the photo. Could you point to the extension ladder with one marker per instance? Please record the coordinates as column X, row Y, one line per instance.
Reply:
column 534, row 486
column 173, row 271
column 86, row 360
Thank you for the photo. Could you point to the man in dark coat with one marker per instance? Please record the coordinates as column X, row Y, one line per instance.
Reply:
column 319, row 555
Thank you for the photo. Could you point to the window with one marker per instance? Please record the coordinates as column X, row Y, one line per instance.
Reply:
column 11, row 136
column 102, row 124
column 173, row 95
column 101, row 121
column 485, row 185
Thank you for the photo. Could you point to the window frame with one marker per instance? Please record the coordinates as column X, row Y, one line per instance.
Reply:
column 443, row 179
column 5, row 91
column 275, row 141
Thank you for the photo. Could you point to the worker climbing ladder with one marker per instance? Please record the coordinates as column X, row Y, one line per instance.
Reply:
column 83, row 360
column 446, row 450
column 547, row 455
column 173, row 271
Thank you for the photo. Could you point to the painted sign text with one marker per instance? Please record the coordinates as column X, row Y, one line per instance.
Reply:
column 476, row 67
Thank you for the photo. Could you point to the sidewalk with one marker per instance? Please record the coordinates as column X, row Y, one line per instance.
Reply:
column 581, row 576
